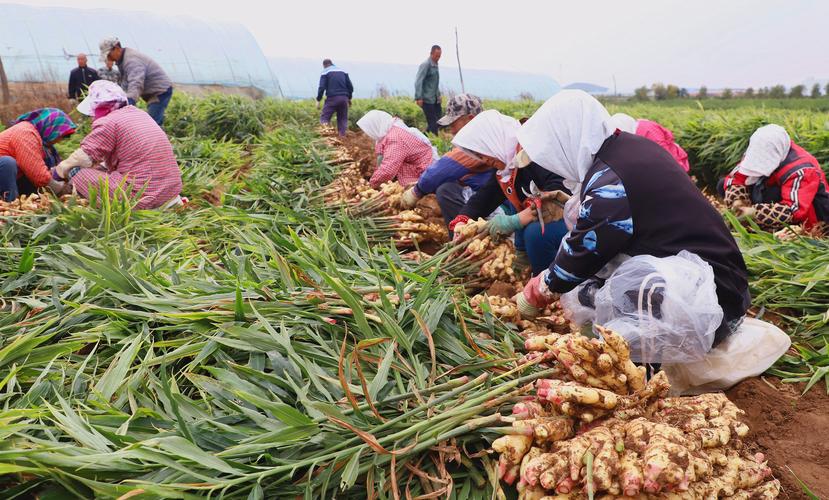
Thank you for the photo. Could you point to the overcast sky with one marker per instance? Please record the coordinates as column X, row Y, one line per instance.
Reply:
column 720, row 43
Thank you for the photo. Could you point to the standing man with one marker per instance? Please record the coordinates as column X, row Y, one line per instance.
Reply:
column 140, row 77
column 336, row 85
column 80, row 78
column 427, row 89
column 109, row 72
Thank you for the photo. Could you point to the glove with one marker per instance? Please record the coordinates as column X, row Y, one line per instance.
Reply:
column 552, row 205
column 535, row 297
column 502, row 225
column 56, row 187
column 409, row 198
column 520, row 262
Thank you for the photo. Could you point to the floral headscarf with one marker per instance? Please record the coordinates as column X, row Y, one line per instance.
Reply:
column 51, row 124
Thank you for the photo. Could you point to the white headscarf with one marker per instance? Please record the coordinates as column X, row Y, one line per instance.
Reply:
column 767, row 148
column 624, row 122
column 565, row 133
column 491, row 134
column 102, row 92
column 376, row 124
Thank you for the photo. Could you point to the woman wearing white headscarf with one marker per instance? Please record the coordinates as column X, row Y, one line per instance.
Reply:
column 778, row 183
column 493, row 138
column 403, row 152
column 623, row 211
column 651, row 130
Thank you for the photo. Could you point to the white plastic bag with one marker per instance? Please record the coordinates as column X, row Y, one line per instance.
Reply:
column 750, row 351
column 574, row 311
column 666, row 308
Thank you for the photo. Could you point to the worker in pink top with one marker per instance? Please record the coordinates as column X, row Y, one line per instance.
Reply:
column 653, row 131
column 403, row 153
column 126, row 150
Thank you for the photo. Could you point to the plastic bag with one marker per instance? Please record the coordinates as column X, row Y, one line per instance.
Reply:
column 579, row 304
column 750, row 351
column 666, row 308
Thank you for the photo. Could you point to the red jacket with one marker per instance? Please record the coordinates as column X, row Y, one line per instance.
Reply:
column 798, row 182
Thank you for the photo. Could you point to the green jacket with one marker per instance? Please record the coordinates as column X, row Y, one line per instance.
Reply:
column 427, row 82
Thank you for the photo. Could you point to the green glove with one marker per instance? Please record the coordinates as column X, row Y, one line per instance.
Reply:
column 502, row 225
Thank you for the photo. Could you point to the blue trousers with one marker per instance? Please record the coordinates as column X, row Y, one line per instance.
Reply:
column 8, row 178
column 541, row 249
column 156, row 109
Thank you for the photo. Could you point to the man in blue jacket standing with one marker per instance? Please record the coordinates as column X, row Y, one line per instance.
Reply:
column 336, row 85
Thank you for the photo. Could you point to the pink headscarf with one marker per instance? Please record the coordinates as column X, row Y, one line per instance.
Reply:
column 103, row 98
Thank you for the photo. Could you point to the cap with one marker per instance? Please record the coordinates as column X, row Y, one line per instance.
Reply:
column 460, row 105
column 100, row 92
column 106, row 46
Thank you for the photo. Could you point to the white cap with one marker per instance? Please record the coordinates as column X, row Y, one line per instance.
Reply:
column 101, row 91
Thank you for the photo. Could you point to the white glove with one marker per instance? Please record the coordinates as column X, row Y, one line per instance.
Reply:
column 78, row 158
column 409, row 198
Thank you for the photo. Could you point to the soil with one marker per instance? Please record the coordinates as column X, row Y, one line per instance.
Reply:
column 791, row 430
column 502, row 289
column 361, row 148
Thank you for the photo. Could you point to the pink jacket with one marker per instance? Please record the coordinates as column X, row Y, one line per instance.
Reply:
column 405, row 157
column 662, row 136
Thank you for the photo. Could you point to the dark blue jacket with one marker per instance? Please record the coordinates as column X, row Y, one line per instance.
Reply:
column 333, row 82
column 454, row 166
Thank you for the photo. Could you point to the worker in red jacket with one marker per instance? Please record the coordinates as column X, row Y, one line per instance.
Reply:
column 777, row 183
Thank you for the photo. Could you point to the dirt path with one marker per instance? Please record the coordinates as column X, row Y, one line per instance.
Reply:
column 792, row 430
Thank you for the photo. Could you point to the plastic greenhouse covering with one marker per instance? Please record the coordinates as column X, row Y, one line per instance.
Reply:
column 40, row 44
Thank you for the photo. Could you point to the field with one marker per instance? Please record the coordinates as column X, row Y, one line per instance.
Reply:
column 262, row 344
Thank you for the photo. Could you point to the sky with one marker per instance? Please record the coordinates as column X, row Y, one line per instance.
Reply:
column 718, row 43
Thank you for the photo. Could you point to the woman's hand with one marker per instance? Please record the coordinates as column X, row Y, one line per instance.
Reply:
column 526, row 216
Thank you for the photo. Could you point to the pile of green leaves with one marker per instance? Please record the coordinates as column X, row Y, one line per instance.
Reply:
column 263, row 348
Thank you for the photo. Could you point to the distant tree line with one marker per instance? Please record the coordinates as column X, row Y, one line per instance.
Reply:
column 662, row 92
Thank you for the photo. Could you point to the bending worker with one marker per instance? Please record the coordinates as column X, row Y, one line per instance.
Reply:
column 653, row 131
column 457, row 174
column 493, row 138
column 624, row 212
column 126, row 151
column 778, row 183
column 27, row 152
column 403, row 152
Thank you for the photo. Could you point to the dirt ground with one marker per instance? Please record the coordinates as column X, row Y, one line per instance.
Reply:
column 792, row 431
column 361, row 148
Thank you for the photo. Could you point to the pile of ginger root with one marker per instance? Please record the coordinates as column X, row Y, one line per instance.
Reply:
column 599, row 429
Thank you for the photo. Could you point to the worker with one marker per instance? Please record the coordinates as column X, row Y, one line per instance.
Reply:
column 80, row 78
column 653, row 131
column 457, row 174
column 125, row 150
column 624, row 212
column 493, row 137
column 109, row 72
column 141, row 77
column 27, row 152
column 777, row 183
column 403, row 152
column 336, row 86
column 427, row 89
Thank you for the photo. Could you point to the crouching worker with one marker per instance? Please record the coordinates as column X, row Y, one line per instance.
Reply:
column 27, row 152
column 125, row 148
column 457, row 174
column 777, row 183
column 652, row 218
column 653, row 131
column 403, row 152
column 493, row 137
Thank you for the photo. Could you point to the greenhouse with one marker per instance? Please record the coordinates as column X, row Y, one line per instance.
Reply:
column 40, row 44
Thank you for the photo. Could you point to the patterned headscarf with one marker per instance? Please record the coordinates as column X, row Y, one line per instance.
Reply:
column 51, row 123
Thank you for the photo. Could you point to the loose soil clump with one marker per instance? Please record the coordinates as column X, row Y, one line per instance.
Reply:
column 790, row 430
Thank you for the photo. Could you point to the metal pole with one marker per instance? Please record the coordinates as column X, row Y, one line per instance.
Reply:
column 458, row 55
column 4, row 84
